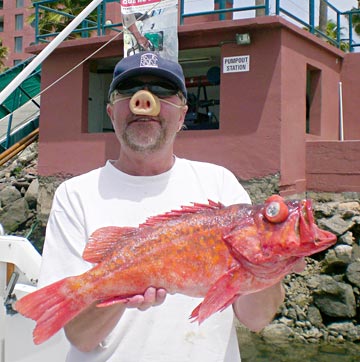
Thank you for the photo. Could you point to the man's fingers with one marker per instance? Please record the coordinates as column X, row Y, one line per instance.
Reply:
column 160, row 296
column 151, row 297
column 135, row 301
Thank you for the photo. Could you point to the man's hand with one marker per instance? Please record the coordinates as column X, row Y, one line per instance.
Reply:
column 151, row 298
column 299, row 266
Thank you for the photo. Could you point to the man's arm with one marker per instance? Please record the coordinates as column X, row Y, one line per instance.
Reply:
column 93, row 325
column 258, row 309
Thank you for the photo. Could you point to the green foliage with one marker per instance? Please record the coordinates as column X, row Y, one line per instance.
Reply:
column 331, row 32
column 52, row 22
column 356, row 21
column 4, row 51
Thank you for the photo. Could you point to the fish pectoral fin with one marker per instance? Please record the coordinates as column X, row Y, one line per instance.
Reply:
column 104, row 240
column 221, row 294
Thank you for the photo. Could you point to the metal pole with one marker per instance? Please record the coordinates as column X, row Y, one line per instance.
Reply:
column 222, row 5
column 341, row 118
column 277, row 8
column 267, row 7
column 182, row 12
column 47, row 51
column 312, row 16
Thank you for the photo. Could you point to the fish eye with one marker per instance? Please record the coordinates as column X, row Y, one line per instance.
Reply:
column 276, row 210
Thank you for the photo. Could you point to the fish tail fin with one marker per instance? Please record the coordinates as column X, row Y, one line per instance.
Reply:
column 51, row 307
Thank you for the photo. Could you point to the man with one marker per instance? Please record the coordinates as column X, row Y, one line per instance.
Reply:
column 147, row 108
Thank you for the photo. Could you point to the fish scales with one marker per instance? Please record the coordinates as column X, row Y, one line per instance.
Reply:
column 178, row 251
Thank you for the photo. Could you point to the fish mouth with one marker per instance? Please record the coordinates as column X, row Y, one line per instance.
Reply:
column 310, row 232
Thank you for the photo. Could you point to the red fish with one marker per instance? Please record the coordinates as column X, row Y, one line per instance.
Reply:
column 208, row 251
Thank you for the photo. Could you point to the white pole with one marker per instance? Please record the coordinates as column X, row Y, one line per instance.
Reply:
column 6, row 92
column 341, row 116
column 3, row 271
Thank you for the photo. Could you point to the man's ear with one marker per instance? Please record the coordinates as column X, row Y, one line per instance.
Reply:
column 182, row 117
column 109, row 111
column 184, row 109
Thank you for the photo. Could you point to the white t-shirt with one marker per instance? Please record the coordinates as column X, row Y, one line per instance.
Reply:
column 107, row 196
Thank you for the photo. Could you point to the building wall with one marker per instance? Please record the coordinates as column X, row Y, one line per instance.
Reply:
column 298, row 55
column 350, row 78
column 248, row 141
column 333, row 166
column 262, row 112
column 8, row 35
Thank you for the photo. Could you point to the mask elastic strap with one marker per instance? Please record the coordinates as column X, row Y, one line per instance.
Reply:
column 161, row 100
column 171, row 103
column 120, row 99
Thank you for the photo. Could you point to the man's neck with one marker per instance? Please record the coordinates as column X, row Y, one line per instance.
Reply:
column 148, row 164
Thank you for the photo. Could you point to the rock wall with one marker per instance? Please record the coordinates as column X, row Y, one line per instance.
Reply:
column 322, row 303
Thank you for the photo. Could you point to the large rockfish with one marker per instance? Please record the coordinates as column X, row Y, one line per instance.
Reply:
column 209, row 251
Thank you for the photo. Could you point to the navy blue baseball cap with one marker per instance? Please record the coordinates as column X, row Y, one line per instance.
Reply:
column 148, row 63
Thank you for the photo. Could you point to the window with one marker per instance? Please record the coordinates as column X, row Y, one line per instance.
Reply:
column 1, row 24
column 19, row 22
column 18, row 44
column 202, row 71
column 1, row 4
column 313, row 100
column 19, row 3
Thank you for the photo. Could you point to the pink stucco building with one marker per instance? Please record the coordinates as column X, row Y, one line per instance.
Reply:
column 278, row 116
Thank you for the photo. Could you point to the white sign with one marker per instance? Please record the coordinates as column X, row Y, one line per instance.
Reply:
column 236, row 64
column 150, row 25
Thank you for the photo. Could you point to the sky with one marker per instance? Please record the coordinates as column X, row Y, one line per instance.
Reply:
column 299, row 8
column 342, row 5
column 294, row 5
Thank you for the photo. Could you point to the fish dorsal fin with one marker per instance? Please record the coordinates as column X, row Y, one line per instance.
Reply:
column 184, row 210
column 103, row 241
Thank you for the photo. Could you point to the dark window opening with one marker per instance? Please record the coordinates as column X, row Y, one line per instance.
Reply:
column 19, row 22
column 100, row 75
column 203, row 101
column 19, row 3
column 202, row 73
column 313, row 100
column 18, row 44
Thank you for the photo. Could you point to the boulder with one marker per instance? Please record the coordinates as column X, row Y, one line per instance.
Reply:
column 277, row 333
column 335, row 299
column 336, row 224
column 14, row 215
column 353, row 273
column 31, row 194
column 8, row 195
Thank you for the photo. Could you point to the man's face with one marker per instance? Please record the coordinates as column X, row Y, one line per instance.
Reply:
column 143, row 133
